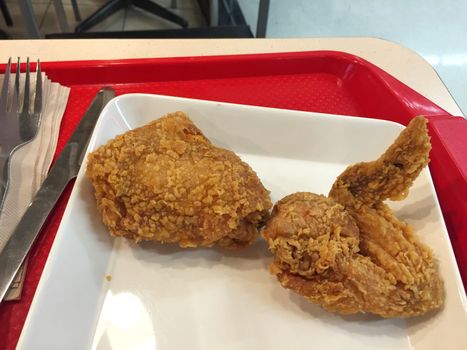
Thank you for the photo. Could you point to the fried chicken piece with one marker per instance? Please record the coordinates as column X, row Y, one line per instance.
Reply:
column 348, row 252
column 166, row 182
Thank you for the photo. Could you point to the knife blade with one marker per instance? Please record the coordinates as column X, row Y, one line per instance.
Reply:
column 65, row 169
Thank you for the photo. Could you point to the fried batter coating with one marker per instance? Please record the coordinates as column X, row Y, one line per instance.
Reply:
column 166, row 182
column 349, row 253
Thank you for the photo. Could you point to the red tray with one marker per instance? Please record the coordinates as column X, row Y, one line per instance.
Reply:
column 319, row 81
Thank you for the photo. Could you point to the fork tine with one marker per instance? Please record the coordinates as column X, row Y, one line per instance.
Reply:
column 6, row 82
column 38, row 98
column 14, row 102
column 26, row 87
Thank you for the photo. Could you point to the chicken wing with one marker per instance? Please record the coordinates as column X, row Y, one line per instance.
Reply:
column 166, row 182
column 349, row 253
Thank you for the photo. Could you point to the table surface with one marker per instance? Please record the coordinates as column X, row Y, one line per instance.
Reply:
column 402, row 63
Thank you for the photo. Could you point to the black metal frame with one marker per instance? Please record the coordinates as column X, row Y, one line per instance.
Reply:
column 208, row 32
column 113, row 6
column 230, row 22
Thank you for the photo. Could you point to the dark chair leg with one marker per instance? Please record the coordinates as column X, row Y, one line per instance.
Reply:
column 74, row 3
column 105, row 11
column 160, row 11
column 6, row 13
column 262, row 24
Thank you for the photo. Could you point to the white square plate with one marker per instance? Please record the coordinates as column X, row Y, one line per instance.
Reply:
column 105, row 293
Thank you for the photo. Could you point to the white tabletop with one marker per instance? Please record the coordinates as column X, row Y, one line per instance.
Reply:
column 402, row 63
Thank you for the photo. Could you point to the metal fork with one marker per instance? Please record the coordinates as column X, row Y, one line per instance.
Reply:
column 18, row 126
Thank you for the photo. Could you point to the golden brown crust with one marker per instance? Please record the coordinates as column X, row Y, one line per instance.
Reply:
column 166, row 182
column 348, row 252
column 392, row 174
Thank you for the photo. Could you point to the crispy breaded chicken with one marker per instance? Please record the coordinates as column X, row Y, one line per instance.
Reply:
column 166, row 182
column 349, row 253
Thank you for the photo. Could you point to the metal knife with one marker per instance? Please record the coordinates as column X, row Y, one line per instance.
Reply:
column 65, row 168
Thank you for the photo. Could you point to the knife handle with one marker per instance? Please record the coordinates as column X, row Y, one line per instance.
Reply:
column 31, row 223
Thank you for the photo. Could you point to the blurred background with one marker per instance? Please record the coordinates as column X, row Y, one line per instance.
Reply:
column 433, row 29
